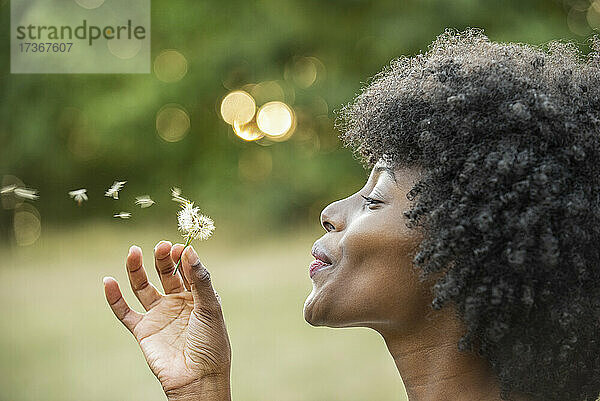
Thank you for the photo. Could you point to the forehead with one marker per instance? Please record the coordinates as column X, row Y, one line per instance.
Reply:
column 383, row 167
column 403, row 176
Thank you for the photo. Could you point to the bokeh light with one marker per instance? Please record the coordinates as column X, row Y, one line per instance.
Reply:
column 593, row 15
column 319, row 106
column 248, row 132
column 248, row 88
column 264, row 141
column 577, row 20
column 83, row 145
column 308, row 142
column 305, row 71
column 267, row 91
column 170, row 66
column 172, row 123
column 255, row 164
column 124, row 48
column 276, row 120
column 580, row 5
column 27, row 225
column 288, row 91
column 238, row 106
column 90, row 4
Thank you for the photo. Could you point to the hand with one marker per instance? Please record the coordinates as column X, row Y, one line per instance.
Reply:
column 182, row 335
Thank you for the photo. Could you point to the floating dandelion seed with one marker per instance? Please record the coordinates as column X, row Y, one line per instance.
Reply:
column 26, row 193
column 193, row 225
column 144, row 201
column 176, row 196
column 8, row 189
column 113, row 191
column 79, row 195
column 122, row 215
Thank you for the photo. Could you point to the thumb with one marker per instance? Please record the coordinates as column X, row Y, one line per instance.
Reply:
column 199, row 278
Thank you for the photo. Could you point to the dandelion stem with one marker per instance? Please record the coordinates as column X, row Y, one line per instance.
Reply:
column 187, row 243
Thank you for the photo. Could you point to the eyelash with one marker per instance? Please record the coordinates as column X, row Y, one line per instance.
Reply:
column 370, row 201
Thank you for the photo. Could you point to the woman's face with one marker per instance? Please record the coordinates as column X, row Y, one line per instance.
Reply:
column 363, row 273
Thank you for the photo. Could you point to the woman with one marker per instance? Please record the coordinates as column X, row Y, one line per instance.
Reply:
column 472, row 248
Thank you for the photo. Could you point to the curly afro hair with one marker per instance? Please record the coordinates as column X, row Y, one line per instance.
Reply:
column 508, row 136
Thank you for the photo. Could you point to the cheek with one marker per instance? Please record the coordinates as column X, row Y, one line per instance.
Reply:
column 378, row 276
column 375, row 243
column 375, row 281
column 384, row 289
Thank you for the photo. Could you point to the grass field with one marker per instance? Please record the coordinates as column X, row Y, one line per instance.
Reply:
column 60, row 341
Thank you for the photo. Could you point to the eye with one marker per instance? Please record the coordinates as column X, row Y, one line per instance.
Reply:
column 328, row 226
column 371, row 203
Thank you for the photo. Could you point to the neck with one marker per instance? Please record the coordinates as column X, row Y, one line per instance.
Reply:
column 432, row 367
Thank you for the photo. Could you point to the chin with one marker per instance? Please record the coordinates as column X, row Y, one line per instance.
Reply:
column 320, row 311
column 316, row 311
column 309, row 311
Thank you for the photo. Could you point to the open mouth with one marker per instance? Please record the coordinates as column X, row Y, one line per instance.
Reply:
column 321, row 262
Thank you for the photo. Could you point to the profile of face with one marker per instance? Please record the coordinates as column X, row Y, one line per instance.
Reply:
column 363, row 273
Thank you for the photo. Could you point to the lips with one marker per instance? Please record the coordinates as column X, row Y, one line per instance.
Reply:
column 315, row 266
column 321, row 261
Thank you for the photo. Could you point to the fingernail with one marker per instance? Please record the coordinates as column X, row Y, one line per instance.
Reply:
column 192, row 256
column 130, row 249
column 105, row 280
column 160, row 243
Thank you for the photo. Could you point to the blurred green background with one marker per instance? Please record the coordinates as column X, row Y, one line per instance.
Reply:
column 64, row 132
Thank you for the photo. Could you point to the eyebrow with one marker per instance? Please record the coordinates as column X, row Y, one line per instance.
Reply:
column 387, row 170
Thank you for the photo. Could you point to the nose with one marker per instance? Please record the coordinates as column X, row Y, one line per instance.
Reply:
column 332, row 217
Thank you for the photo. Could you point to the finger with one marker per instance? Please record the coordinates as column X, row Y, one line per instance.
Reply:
column 145, row 292
column 199, row 277
column 176, row 252
column 165, row 266
column 122, row 311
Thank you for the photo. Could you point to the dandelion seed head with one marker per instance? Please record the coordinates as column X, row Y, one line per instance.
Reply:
column 186, row 217
column 206, row 228
column 193, row 224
